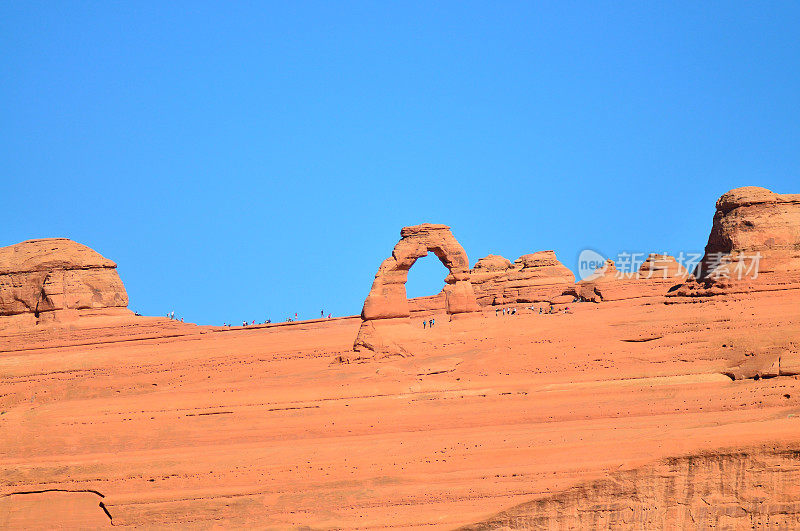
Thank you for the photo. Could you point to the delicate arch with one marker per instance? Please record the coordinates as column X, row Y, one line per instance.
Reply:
column 387, row 299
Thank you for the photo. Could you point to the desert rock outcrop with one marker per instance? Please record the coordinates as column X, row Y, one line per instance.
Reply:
column 536, row 277
column 754, row 244
column 55, row 274
column 656, row 276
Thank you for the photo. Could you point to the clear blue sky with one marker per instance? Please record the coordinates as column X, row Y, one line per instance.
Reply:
column 245, row 160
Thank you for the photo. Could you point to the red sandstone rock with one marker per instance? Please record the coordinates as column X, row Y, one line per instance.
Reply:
column 492, row 263
column 656, row 276
column 374, row 344
column 613, row 416
column 754, row 244
column 38, row 277
column 554, row 420
column 387, row 299
column 460, row 298
column 535, row 277
column 431, row 303
column 662, row 266
column 77, row 509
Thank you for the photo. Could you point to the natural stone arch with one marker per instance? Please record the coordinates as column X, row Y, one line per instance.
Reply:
column 387, row 299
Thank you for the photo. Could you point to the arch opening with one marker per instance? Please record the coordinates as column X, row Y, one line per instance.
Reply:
column 426, row 277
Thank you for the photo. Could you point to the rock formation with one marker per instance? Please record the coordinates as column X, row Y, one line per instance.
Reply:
column 387, row 303
column 387, row 298
column 754, row 244
column 748, row 489
column 764, row 355
column 45, row 277
column 657, row 274
column 536, row 277
column 634, row 414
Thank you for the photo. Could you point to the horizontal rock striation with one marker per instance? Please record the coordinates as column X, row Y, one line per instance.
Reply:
column 745, row 490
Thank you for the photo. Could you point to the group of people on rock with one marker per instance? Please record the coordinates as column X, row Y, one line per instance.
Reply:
column 251, row 323
column 513, row 311
column 171, row 315
column 289, row 319
column 542, row 310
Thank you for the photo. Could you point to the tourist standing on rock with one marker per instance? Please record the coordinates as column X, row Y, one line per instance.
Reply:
column 433, row 322
column 424, row 322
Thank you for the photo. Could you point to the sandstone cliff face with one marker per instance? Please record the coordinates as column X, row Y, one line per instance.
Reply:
column 536, row 277
column 55, row 274
column 745, row 490
column 754, row 244
column 656, row 276
column 428, row 304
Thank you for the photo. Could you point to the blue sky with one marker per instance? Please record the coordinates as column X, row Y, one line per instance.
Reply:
column 246, row 160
